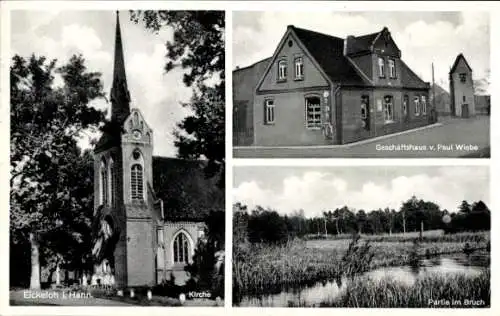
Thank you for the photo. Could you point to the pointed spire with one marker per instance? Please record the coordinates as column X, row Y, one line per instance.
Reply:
column 120, row 96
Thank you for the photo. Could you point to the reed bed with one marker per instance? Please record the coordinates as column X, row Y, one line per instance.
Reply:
column 439, row 291
column 271, row 268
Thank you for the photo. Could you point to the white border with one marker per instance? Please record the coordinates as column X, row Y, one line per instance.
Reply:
column 492, row 7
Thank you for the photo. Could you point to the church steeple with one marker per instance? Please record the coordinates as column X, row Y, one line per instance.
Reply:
column 120, row 96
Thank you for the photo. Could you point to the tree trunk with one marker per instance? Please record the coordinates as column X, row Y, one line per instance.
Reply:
column 35, row 263
column 58, row 275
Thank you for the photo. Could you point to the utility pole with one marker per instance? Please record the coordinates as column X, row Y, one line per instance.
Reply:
column 433, row 93
column 326, row 231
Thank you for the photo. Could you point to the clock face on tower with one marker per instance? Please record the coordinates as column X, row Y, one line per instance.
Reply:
column 136, row 134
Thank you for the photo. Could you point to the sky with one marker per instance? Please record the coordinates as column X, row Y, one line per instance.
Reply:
column 287, row 189
column 59, row 35
column 423, row 37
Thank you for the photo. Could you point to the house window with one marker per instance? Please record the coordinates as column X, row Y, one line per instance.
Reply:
column 388, row 109
column 282, row 70
column 463, row 98
column 299, row 68
column 381, row 67
column 313, row 112
column 104, row 183
column 392, row 68
column 181, row 249
column 137, row 182
column 463, row 77
column 364, row 107
column 417, row 105
column 424, row 105
column 405, row 105
column 269, row 111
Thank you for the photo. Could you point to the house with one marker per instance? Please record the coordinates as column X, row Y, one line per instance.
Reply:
column 462, row 88
column 482, row 104
column 442, row 101
column 148, row 211
column 319, row 89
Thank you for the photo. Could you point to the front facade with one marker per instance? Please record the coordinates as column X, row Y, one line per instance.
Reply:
column 462, row 88
column 360, row 89
column 145, row 232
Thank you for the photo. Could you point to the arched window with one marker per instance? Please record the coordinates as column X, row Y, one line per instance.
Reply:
column 104, row 182
column 181, row 249
column 137, row 182
column 112, row 182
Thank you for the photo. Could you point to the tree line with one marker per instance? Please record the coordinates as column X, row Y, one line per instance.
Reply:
column 267, row 225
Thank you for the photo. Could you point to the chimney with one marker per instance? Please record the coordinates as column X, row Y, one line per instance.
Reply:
column 348, row 43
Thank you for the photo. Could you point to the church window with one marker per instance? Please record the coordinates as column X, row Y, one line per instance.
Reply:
column 181, row 249
column 463, row 77
column 137, row 182
column 136, row 119
column 112, row 182
column 104, row 183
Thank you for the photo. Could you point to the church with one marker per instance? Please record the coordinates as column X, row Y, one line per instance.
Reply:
column 319, row 89
column 149, row 211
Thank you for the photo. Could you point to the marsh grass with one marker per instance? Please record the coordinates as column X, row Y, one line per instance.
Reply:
column 435, row 290
column 262, row 268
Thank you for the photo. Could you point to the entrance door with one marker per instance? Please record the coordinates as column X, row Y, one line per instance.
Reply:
column 465, row 110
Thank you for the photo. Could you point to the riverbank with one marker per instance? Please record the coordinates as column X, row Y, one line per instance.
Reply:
column 431, row 291
column 269, row 269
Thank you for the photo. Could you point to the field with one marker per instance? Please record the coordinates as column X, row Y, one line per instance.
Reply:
column 264, row 268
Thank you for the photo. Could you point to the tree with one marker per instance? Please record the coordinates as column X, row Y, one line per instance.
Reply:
column 464, row 207
column 197, row 47
column 482, row 85
column 45, row 119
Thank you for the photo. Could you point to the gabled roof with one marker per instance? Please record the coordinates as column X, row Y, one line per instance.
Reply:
column 328, row 51
column 410, row 80
column 455, row 64
column 257, row 65
column 187, row 194
column 362, row 43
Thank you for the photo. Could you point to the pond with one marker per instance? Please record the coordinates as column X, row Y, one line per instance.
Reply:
column 472, row 264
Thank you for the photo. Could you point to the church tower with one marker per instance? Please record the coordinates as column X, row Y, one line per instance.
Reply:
column 123, row 188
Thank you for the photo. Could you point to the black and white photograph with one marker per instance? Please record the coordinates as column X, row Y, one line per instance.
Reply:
column 117, row 158
column 361, row 84
column 361, row 236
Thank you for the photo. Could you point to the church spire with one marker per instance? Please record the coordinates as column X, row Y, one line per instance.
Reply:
column 120, row 97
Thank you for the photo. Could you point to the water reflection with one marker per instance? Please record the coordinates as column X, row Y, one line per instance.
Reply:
column 472, row 264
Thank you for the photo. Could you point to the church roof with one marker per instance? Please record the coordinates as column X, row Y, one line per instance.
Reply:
column 187, row 194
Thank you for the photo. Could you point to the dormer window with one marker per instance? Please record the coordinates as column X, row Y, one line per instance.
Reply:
column 463, row 77
column 392, row 68
column 381, row 67
column 299, row 68
column 282, row 70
